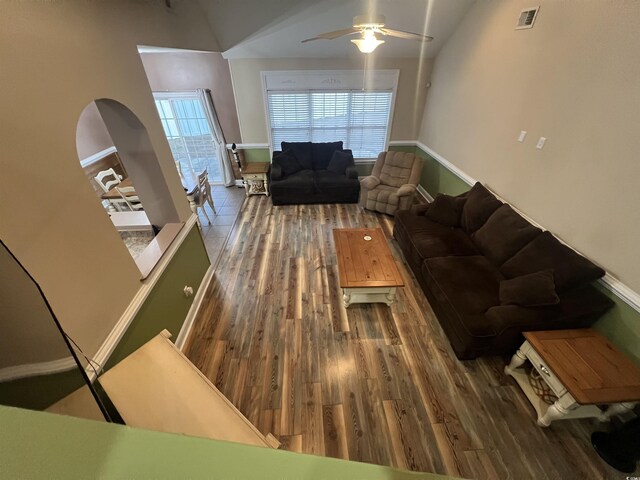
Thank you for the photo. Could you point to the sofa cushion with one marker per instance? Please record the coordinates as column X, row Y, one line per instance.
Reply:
column 570, row 269
column 321, row 154
column 327, row 178
column 480, row 204
column 467, row 286
column 288, row 163
column 301, row 182
column 422, row 238
column 446, row 210
column 339, row 162
column 396, row 169
column 532, row 290
column 503, row 234
column 302, row 152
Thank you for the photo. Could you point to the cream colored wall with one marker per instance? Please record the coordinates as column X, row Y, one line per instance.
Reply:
column 57, row 57
column 248, row 88
column 92, row 136
column 177, row 71
column 573, row 78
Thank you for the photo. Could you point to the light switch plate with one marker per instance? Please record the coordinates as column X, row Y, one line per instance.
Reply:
column 522, row 135
column 540, row 143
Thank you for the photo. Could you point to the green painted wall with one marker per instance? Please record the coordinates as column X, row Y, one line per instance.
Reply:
column 41, row 391
column 364, row 169
column 253, row 155
column 43, row 445
column 166, row 306
column 621, row 324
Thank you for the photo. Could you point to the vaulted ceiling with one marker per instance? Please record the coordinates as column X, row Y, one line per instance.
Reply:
column 275, row 28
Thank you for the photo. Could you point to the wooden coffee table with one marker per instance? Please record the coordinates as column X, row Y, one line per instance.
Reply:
column 582, row 368
column 368, row 272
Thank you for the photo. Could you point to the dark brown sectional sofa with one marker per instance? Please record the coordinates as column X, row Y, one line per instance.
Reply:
column 489, row 274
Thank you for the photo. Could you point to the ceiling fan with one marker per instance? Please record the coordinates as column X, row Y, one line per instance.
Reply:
column 368, row 26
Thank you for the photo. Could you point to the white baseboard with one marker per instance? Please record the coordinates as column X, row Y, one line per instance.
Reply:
column 97, row 156
column 34, row 369
column 424, row 193
column 248, row 146
column 195, row 307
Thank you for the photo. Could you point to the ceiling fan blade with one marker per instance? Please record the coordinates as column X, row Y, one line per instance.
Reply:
column 406, row 35
column 332, row 35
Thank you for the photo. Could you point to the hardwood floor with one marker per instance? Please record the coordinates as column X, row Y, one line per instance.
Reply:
column 371, row 383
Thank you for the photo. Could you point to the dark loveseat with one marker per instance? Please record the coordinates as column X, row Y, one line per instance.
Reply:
column 305, row 172
column 489, row 274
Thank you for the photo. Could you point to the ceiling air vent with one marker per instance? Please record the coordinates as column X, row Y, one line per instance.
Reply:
column 527, row 17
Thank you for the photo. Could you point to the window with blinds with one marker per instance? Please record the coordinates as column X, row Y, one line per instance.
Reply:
column 360, row 119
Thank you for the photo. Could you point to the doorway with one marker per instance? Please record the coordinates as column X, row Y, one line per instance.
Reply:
column 190, row 134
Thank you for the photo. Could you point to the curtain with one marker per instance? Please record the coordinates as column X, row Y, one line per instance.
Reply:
column 221, row 149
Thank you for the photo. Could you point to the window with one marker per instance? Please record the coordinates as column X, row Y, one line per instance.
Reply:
column 189, row 133
column 360, row 119
column 354, row 106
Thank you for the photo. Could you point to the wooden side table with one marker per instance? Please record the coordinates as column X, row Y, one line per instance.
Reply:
column 582, row 369
column 255, row 178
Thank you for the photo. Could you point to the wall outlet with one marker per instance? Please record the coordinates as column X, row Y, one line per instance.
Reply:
column 522, row 135
column 541, row 142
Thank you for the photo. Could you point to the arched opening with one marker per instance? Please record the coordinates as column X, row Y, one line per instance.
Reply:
column 119, row 161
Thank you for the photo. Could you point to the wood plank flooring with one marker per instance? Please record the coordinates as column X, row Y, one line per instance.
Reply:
column 370, row 383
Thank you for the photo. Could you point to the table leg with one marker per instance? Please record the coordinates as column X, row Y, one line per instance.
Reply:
column 391, row 297
column 517, row 360
column 346, row 298
column 616, row 409
column 558, row 410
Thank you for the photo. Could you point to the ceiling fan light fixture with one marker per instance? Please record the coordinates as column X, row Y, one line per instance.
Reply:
column 368, row 43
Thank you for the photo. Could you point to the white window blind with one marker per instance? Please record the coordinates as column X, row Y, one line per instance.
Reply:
column 360, row 119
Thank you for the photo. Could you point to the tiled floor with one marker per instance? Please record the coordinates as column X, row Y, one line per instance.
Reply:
column 228, row 202
column 136, row 242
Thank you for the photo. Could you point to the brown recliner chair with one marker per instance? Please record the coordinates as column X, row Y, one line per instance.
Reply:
column 392, row 183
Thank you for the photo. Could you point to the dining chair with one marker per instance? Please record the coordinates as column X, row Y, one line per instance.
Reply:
column 204, row 194
column 132, row 201
column 107, row 179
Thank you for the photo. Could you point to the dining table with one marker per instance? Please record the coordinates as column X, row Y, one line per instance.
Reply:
column 116, row 202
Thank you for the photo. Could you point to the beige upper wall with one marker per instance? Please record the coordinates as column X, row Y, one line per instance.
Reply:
column 92, row 136
column 177, row 71
column 410, row 98
column 573, row 78
column 56, row 58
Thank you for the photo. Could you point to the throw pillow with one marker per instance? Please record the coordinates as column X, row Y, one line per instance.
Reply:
column 504, row 234
column 302, row 152
column 339, row 162
column 446, row 210
column 322, row 153
column 478, row 208
column 533, row 290
column 288, row 163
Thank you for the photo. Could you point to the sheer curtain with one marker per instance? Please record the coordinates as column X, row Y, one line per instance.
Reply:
column 218, row 136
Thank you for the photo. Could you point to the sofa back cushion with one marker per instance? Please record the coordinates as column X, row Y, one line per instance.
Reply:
column 570, row 269
column 301, row 151
column 396, row 168
column 480, row 204
column 321, row 154
column 503, row 234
